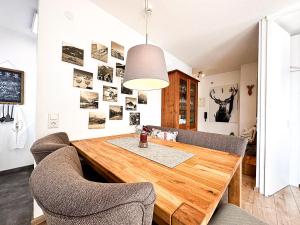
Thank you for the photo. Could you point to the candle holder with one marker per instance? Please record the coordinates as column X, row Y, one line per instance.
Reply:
column 143, row 140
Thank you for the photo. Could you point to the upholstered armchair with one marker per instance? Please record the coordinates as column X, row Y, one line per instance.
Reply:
column 66, row 198
column 46, row 145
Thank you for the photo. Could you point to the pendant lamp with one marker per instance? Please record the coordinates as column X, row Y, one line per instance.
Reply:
column 145, row 65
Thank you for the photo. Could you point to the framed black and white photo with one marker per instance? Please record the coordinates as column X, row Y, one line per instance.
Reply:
column 115, row 112
column 82, row 79
column 142, row 97
column 11, row 86
column 89, row 100
column 134, row 118
column 110, row 94
column 125, row 90
column 99, row 52
column 96, row 120
column 105, row 73
column 130, row 104
column 117, row 50
column 223, row 104
column 71, row 54
column 120, row 70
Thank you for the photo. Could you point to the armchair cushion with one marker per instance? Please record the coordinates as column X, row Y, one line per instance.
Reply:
column 232, row 215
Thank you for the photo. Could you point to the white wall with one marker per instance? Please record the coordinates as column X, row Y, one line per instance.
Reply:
column 205, row 85
column 79, row 23
column 18, row 51
column 295, row 50
column 248, row 104
column 295, row 112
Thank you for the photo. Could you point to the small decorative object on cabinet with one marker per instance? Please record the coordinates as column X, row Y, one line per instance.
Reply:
column 180, row 101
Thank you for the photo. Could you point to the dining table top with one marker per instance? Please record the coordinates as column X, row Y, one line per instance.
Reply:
column 186, row 194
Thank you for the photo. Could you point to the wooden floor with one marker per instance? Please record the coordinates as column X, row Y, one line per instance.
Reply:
column 283, row 208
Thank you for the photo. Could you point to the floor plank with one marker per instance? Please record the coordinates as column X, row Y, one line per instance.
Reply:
column 283, row 208
column 296, row 194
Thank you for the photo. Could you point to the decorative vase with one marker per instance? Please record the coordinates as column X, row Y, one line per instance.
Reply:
column 143, row 140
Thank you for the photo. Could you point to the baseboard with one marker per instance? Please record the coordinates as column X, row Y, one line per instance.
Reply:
column 15, row 170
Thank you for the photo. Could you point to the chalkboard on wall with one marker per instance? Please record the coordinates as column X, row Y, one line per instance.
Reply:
column 11, row 86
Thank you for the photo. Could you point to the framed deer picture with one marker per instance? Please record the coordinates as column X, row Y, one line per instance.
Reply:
column 223, row 104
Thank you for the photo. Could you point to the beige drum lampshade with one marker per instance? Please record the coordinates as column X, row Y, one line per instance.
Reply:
column 145, row 68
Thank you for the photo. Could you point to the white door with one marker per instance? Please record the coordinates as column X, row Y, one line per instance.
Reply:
column 273, row 115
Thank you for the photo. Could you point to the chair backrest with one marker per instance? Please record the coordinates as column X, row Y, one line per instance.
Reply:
column 58, row 186
column 220, row 142
column 46, row 145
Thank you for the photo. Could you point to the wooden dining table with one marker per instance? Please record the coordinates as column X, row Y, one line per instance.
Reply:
column 187, row 194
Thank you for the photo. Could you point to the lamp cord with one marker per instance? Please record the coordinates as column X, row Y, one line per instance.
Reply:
column 147, row 13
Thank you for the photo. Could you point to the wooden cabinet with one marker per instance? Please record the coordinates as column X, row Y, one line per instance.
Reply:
column 180, row 102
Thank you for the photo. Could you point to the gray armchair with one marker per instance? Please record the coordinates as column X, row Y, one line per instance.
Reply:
column 66, row 198
column 46, row 145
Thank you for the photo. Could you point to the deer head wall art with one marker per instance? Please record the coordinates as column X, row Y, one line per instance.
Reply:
column 223, row 104
column 250, row 88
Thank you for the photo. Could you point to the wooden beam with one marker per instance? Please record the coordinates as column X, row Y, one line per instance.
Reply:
column 39, row 221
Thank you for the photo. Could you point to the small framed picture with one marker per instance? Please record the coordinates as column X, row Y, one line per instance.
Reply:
column 82, row 79
column 96, row 120
column 134, row 118
column 89, row 100
column 115, row 112
column 71, row 54
column 105, row 73
column 117, row 50
column 99, row 52
column 130, row 103
column 120, row 70
column 110, row 94
column 142, row 97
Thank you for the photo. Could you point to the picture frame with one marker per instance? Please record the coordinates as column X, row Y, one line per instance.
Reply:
column 117, row 50
column 82, row 79
column 131, row 104
column 71, row 54
column 99, row 52
column 11, row 86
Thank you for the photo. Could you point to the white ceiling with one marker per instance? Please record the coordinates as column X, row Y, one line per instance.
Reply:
column 17, row 15
column 209, row 35
column 290, row 22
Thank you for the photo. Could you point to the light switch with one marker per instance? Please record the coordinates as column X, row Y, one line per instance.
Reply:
column 53, row 120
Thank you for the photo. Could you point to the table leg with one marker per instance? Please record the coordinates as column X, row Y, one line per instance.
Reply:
column 235, row 188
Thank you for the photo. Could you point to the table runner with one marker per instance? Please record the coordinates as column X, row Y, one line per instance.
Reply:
column 164, row 155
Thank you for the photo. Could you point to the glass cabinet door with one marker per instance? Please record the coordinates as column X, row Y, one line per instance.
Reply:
column 183, row 102
column 193, row 100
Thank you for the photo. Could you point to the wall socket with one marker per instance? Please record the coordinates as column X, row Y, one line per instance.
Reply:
column 53, row 120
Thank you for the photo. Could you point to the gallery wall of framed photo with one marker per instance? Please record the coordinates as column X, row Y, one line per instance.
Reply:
column 112, row 90
column 81, row 65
